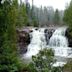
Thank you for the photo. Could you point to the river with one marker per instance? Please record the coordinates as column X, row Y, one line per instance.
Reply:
column 58, row 42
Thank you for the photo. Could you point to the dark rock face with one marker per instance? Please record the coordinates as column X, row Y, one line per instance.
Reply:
column 23, row 40
column 36, row 29
column 67, row 34
column 48, row 34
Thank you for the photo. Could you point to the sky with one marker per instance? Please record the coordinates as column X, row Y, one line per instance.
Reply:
column 56, row 4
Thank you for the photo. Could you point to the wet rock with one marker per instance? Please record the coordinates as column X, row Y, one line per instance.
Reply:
column 36, row 29
column 31, row 31
column 48, row 34
column 67, row 34
column 22, row 48
column 23, row 40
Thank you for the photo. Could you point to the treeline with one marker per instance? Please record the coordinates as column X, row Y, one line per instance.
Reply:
column 44, row 16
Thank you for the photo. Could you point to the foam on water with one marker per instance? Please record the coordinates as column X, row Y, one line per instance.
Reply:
column 58, row 38
column 37, row 43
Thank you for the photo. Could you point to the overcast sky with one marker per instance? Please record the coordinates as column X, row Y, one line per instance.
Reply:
column 60, row 4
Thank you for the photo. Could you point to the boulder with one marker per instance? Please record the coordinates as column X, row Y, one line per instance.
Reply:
column 48, row 34
column 67, row 34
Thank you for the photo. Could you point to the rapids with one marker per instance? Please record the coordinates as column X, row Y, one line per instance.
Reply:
column 58, row 42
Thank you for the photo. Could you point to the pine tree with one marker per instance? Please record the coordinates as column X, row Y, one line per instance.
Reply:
column 22, row 18
column 56, row 17
column 8, row 52
column 68, row 17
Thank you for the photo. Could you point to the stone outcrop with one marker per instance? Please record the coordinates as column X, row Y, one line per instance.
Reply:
column 23, row 40
column 48, row 34
column 67, row 34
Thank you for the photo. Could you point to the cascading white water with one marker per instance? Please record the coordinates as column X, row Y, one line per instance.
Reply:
column 58, row 38
column 59, row 42
column 37, row 43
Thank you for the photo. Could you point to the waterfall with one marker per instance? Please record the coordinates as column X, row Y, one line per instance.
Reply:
column 37, row 43
column 58, row 38
column 58, row 42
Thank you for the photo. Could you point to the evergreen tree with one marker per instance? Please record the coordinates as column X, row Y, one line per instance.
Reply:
column 9, row 61
column 56, row 17
column 68, row 16
column 22, row 16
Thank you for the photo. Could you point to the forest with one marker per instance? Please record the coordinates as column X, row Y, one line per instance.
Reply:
column 15, row 15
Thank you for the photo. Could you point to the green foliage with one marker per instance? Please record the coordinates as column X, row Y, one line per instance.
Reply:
column 9, row 61
column 35, row 23
column 68, row 67
column 22, row 18
column 68, row 17
column 43, row 62
column 56, row 17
